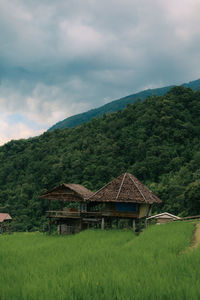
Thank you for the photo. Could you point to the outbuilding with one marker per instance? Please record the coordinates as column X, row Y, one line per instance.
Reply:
column 163, row 218
column 5, row 219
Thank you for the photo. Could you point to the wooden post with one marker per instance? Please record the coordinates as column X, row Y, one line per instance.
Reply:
column 59, row 228
column 117, row 222
column 102, row 223
column 49, row 226
column 145, row 223
column 139, row 226
column 133, row 225
column 110, row 223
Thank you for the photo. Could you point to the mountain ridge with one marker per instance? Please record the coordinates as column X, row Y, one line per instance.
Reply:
column 117, row 105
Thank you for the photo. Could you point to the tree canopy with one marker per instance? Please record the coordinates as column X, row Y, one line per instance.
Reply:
column 156, row 140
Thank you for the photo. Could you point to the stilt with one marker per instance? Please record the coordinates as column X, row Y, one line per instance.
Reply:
column 133, row 225
column 8, row 228
column 117, row 223
column 60, row 228
column 49, row 226
column 109, row 223
column 145, row 223
column 49, row 204
column 102, row 223
column 139, row 226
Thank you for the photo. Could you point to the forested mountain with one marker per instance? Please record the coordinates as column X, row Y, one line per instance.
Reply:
column 116, row 105
column 156, row 140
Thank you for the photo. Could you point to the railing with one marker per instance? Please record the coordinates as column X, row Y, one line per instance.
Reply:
column 78, row 214
column 63, row 213
column 189, row 218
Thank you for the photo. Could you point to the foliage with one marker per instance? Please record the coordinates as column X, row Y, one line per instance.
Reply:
column 156, row 140
column 101, row 265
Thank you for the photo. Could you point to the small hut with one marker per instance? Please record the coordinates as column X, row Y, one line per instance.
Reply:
column 163, row 218
column 5, row 220
column 68, row 219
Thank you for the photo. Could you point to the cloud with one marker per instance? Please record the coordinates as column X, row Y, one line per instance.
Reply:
column 10, row 130
column 61, row 58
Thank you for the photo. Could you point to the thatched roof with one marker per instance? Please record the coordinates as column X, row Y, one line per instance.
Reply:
column 67, row 192
column 125, row 188
column 4, row 217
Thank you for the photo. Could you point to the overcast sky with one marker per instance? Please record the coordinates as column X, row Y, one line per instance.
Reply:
column 60, row 58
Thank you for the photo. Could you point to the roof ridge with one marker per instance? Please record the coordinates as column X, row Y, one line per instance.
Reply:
column 167, row 213
column 138, row 188
column 120, row 186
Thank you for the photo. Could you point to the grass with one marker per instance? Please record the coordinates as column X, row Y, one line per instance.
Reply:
column 101, row 265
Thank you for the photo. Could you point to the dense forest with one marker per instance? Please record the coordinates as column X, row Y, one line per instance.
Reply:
column 157, row 140
column 117, row 105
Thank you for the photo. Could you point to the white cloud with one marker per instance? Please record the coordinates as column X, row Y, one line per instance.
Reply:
column 79, row 38
column 17, row 131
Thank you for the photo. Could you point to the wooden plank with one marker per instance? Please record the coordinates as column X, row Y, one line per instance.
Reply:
column 188, row 218
column 64, row 217
column 133, row 225
column 102, row 223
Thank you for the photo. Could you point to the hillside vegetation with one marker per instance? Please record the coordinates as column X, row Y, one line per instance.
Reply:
column 101, row 265
column 156, row 140
column 116, row 105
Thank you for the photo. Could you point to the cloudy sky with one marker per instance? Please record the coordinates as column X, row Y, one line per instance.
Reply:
column 59, row 58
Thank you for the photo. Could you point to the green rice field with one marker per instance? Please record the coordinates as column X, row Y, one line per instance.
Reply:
column 97, row 264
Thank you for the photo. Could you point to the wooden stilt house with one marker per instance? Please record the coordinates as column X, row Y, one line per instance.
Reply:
column 5, row 220
column 123, row 198
column 69, row 220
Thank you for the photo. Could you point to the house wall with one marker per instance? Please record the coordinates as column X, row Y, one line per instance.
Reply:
column 164, row 220
column 63, row 194
column 69, row 227
column 143, row 210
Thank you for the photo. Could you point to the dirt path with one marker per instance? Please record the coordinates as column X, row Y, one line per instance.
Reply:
column 196, row 237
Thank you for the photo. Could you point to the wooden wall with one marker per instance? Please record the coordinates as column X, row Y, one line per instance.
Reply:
column 143, row 210
column 69, row 227
column 164, row 220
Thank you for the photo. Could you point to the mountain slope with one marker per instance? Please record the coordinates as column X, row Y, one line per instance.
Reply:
column 156, row 140
column 116, row 105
